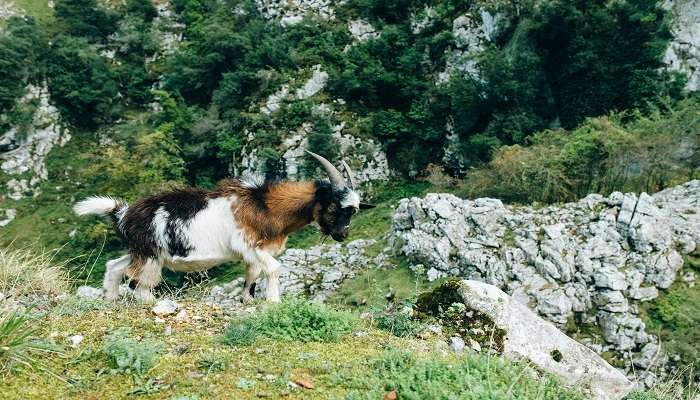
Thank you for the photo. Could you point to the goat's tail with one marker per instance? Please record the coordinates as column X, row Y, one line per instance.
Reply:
column 100, row 205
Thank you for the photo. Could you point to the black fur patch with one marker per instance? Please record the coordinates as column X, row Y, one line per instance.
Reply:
column 137, row 224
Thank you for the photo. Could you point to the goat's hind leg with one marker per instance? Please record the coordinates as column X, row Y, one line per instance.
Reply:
column 114, row 273
column 147, row 277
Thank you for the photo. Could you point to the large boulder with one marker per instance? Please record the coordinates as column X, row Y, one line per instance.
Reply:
column 521, row 335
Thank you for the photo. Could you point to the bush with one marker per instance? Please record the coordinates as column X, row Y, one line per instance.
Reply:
column 131, row 356
column 18, row 347
column 81, row 82
column 293, row 319
column 616, row 152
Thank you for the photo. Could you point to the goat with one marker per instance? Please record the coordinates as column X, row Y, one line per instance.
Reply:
column 191, row 229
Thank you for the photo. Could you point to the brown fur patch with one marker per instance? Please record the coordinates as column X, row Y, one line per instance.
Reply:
column 134, row 269
column 269, row 214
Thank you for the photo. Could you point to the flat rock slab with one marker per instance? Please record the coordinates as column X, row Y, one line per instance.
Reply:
column 531, row 338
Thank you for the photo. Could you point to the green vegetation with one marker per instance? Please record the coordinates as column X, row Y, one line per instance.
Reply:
column 674, row 317
column 129, row 355
column 473, row 377
column 19, row 346
column 294, row 319
column 617, row 152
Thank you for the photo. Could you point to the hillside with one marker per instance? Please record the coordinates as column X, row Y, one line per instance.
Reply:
column 548, row 148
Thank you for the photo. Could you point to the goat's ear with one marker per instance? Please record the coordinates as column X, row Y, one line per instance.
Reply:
column 365, row 206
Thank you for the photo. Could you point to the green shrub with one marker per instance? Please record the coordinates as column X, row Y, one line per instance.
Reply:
column 475, row 377
column 128, row 355
column 293, row 319
column 18, row 347
column 397, row 323
column 299, row 319
column 241, row 333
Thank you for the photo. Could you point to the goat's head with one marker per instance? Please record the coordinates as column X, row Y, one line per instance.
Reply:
column 338, row 201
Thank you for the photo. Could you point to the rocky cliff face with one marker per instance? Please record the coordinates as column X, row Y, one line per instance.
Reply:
column 26, row 147
column 683, row 53
column 592, row 262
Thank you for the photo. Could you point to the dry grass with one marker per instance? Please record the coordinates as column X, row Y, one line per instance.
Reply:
column 23, row 272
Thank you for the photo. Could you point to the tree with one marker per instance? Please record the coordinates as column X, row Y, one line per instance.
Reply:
column 81, row 83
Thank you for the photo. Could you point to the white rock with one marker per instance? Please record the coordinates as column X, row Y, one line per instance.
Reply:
column 75, row 340
column 457, row 344
column 528, row 337
column 89, row 293
column 164, row 308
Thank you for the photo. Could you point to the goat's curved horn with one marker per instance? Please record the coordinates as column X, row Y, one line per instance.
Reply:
column 353, row 182
column 333, row 174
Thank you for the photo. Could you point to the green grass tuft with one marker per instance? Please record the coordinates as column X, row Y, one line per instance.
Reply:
column 397, row 323
column 292, row 320
column 131, row 356
column 18, row 347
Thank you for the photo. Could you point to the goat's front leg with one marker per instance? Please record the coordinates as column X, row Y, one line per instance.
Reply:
column 252, row 271
column 272, row 269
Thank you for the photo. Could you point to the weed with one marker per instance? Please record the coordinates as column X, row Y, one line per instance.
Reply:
column 476, row 377
column 298, row 319
column 26, row 272
column 397, row 323
column 211, row 362
column 131, row 356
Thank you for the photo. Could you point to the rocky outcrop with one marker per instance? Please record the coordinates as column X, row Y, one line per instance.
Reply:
column 683, row 52
column 365, row 156
column 521, row 335
column 592, row 261
column 316, row 272
column 471, row 34
column 293, row 11
column 28, row 146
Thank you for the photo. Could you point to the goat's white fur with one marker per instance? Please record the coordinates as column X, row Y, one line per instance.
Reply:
column 96, row 205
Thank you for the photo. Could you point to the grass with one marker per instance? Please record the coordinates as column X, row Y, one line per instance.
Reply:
column 19, row 349
column 24, row 272
column 476, row 377
column 368, row 288
column 294, row 319
column 675, row 317
column 194, row 364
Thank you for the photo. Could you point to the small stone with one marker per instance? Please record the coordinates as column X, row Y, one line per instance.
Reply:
column 164, row 307
column 168, row 330
column 474, row 345
column 75, row 340
column 305, row 383
column 457, row 344
column 89, row 293
column 182, row 316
